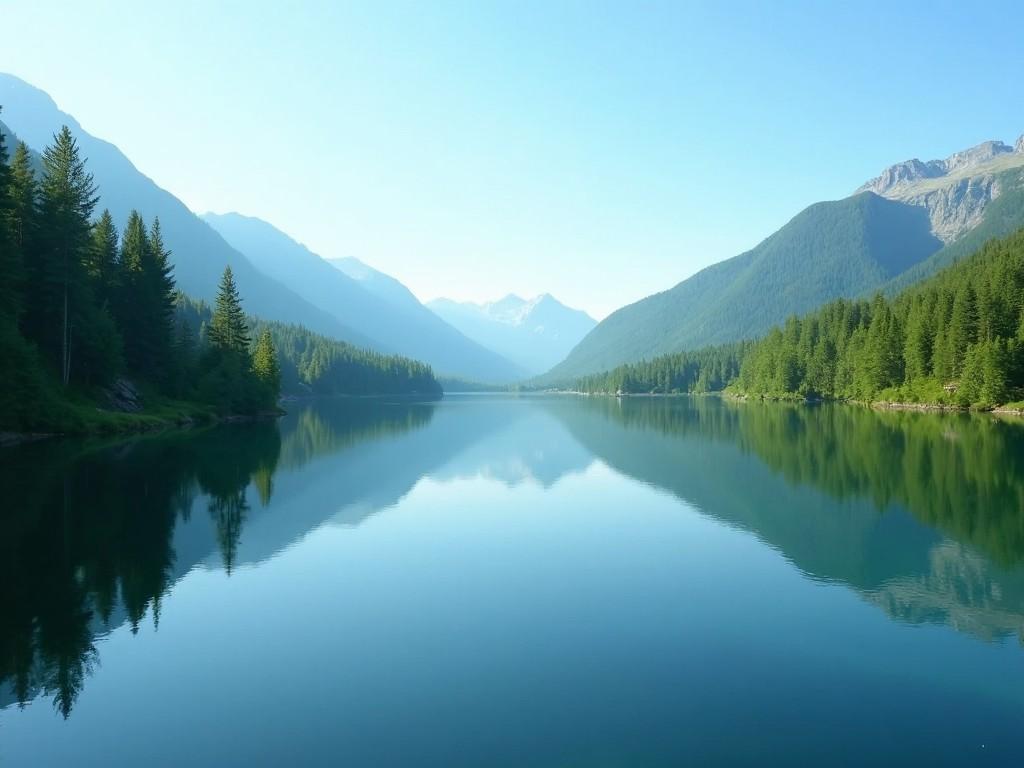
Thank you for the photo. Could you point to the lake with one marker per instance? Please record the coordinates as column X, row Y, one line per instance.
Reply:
column 533, row 581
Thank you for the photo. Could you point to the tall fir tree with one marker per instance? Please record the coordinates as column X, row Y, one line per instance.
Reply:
column 103, row 260
column 23, row 212
column 228, row 330
column 68, row 197
column 11, row 277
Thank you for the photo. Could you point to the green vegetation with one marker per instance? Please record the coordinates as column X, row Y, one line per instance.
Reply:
column 954, row 340
column 100, row 529
column 310, row 364
column 90, row 317
column 835, row 249
column 705, row 370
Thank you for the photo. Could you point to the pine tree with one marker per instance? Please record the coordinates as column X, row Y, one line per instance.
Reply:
column 11, row 277
column 131, row 293
column 103, row 260
column 266, row 367
column 963, row 325
column 161, row 298
column 67, row 199
column 228, row 329
column 917, row 350
column 23, row 212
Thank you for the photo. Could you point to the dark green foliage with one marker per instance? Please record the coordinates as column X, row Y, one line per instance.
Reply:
column 89, row 543
column 229, row 332
column 146, row 297
column 311, row 364
column 954, row 339
column 103, row 266
column 706, row 370
column 79, row 308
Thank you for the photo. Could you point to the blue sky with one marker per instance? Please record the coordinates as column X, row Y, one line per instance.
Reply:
column 597, row 151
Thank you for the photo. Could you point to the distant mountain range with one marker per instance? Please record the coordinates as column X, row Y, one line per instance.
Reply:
column 533, row 333
column 373, row 304
column 900, row 227
column 199, row 253
column 278, row 278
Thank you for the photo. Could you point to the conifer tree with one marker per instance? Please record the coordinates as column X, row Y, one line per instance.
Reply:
column 228, row 330
column 10, row 256
column 103, row 260
column 67, row 199
column 265, row 365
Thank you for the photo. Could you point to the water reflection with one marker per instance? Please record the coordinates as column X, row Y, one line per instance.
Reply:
column 923, row 515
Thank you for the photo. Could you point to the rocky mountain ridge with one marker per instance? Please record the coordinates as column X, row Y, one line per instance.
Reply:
column 955, row 191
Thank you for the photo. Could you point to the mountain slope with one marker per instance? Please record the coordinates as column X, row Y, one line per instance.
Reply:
column 831, row 249
column 199, row 254
column 376, row 282
column 1001, row 217
column 956, row 191
column 407, row 328
column 535, row 333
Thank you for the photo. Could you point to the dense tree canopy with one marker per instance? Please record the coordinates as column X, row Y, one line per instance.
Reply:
column 82, row 304
column 956, row 339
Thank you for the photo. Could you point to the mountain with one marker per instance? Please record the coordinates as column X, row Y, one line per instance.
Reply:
column 902, row 226
column 955, row 191
column 398, row 323
column 199, row 254
column 831, row 249
column 379, row 284
column 535, row 333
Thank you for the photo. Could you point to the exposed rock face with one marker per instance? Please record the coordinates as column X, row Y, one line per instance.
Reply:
column 902, row 174
column 123, row 396
column 976, row 155
column 955, row 191
column 959, row 207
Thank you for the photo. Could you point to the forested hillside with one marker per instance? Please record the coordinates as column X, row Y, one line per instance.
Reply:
column 832, row 249
column 84, row 306
column 200, row 253
column 956, row 339
column 314, row 364
column 710, row 369
column 395, row 327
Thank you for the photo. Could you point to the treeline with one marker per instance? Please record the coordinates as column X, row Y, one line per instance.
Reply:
column 956, row 339
column 311, row 364
column 82, row 304
column 703, row 370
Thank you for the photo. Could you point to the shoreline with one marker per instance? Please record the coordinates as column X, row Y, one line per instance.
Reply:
column 878, row 405
column 145, row 424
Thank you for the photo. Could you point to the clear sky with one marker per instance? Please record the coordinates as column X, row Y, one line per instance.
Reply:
column 596, row 151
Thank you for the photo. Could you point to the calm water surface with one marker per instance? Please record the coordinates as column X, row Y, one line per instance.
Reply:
column 519, row 582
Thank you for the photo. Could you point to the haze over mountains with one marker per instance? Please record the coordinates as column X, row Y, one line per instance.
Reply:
column 904, row 225
column 200, row 254
column 278, row 278
column 536, row 333
column 910, row 221
column 389, row 316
